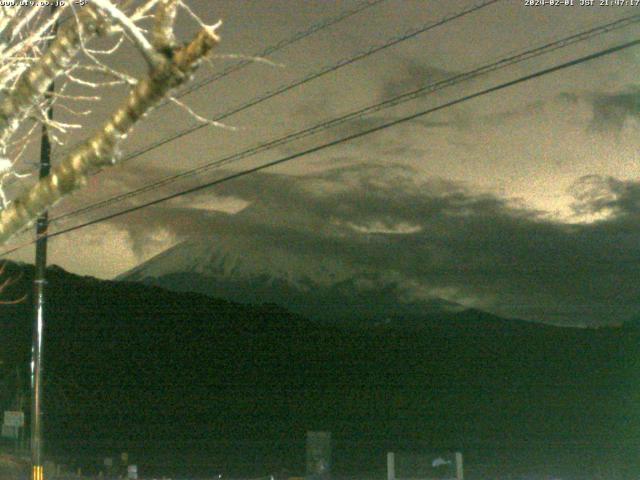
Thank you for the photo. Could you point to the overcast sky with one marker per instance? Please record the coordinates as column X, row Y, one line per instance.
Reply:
column 524, row 202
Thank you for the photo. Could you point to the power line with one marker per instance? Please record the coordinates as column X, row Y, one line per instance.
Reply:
column 313, row 76
column 301, row 35
column 279, row 46
column 348, row 138
column 503, row 63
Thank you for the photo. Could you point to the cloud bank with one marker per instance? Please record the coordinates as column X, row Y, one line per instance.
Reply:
column 436, row 236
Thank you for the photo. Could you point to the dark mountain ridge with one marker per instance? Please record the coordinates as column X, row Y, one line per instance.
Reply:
column 186, row 381
column 324, row 289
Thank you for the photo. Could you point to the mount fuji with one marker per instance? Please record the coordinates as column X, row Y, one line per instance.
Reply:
column 320, row 289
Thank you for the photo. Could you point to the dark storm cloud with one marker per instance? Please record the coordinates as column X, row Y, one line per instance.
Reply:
column 596, row 194
column 611, row 111
column 437, row 235
column 411, row 76
column 407, row 77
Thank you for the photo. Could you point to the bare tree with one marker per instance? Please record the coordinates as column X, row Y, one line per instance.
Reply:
column 33, row 54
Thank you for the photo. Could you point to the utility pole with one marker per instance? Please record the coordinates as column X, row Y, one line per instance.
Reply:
column 39, row 291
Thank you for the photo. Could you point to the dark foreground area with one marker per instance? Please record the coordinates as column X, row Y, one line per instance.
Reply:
column 190, row 385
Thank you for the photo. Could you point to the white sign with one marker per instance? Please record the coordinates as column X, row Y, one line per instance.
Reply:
column 13, row 419
column 132, row 472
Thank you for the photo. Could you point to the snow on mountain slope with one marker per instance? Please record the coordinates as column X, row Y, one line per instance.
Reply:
column 229, row 258
column 320, row 289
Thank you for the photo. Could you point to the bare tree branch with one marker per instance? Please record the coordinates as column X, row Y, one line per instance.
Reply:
column 33, row 83
column 100, row 150
column 163, row 37
column 152, row 57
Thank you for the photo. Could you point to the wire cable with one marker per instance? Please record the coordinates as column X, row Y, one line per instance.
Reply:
column 279, row 46
column 384, row 126
column 313, row 76
column 301, row 35
column 306, row 79
column 430, row 88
